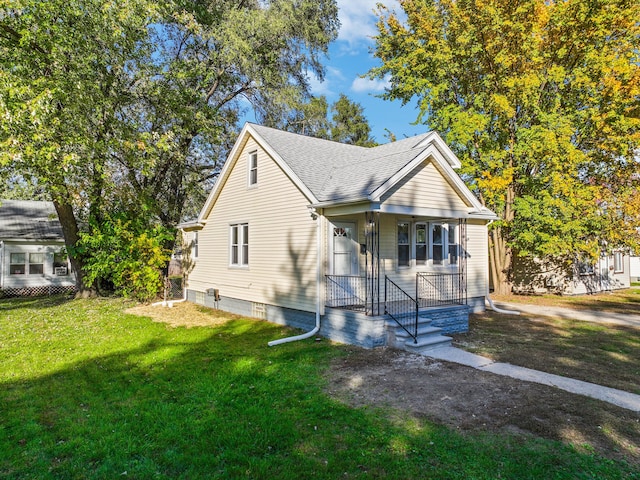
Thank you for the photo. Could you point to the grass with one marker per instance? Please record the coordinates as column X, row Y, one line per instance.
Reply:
column 600, row 353
column 619, row 301
column 603, row 354
column 89, row 391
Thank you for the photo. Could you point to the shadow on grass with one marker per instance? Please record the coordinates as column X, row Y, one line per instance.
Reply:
column 16, row 303
column 218, row 403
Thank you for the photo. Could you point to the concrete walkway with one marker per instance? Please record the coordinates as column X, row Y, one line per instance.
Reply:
column 622, row 399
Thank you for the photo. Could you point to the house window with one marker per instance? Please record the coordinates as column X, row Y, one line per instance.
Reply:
column 194, row 245
column 36, row 263
column 60, row 264
column 253, row 168
column 618, row 266
column 239, row 242
column 437, row 243
column 421, row 243
column 17, row 263
column 454, row 246
column 404, row 246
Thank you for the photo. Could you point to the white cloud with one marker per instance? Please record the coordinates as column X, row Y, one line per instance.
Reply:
column 358, row 21
column 333, row 76
column 365, row 85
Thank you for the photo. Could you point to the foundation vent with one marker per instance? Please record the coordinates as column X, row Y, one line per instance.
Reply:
column 259, row 310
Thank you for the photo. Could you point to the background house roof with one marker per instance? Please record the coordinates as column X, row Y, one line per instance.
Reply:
column 337, row 171
column 29, row 220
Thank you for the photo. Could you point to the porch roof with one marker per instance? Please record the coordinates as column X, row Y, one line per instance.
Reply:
column 351, row 208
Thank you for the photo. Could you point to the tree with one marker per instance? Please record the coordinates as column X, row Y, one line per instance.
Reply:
column 131, row 106
column 349, row 125
column 64, row 84
column 213, row 61
column 346, row 124
column 541, row 101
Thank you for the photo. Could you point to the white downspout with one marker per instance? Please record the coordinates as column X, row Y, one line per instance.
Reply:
column 1, row 264
column 316, row 329
column 488, row 298
column 169, row 303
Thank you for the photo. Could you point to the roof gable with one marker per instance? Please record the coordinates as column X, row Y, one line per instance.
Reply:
column 329, row 172
column 29, row 220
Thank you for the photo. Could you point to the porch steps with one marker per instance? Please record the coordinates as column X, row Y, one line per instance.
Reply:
column 429, row 337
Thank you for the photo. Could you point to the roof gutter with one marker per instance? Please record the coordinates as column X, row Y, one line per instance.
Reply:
column 342, row 203
column 191, row 226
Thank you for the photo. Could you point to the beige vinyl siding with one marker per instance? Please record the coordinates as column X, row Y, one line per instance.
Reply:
column 427, row 187
column 477, row 262
column 282, row 238
column 478, row 259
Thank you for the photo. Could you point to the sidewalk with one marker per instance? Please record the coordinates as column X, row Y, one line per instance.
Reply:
column 622, row 399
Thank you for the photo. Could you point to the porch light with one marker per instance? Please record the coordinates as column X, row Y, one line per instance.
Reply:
column 312, row 212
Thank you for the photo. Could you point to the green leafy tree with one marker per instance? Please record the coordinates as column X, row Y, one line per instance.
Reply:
column 131, row 105
column 65, row 81
column 345, row 122
column 349, row 125
column 214, row 60
column 126, row 256
column 541, row 101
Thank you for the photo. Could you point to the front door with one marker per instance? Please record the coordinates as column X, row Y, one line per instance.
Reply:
column 345, row 248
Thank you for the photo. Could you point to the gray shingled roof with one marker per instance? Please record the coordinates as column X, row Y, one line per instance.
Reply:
column 29, row 220
column 336, row 171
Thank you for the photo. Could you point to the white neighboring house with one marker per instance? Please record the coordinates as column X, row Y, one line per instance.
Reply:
column 385, row 244
column 610, row 272
column 634, row 268
column 32, row 254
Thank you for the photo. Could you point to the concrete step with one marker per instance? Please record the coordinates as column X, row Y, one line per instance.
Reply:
column 423, row 331
column 426, row 344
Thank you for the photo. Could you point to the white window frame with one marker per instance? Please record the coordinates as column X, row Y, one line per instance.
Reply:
column 239, row 246
column 15, row 263
column 443, row 243
column 408, row 244
column 618, row 262
column 456, row 242
column 60, row 263
column 194, row 245
column 448, row 260
column 252, row 169
column 416, row 227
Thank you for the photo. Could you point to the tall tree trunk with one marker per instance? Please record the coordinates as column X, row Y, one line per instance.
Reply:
column 70, row 232
column 500, row 254
column 500, row 258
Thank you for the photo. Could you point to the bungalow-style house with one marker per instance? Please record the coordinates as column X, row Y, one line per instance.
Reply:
column 609, row 272
column 379, row 245
column 32, row 255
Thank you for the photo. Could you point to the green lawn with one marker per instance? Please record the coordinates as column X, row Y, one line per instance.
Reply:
column 620, row 301
column 89, row 391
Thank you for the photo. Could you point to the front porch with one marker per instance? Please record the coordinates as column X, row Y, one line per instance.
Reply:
column 370, row 315
column 396, row 279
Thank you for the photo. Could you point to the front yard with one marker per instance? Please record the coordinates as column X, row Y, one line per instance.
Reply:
column 91, row 391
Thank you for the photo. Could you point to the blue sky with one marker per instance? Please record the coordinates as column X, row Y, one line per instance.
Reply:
column 349, row 58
